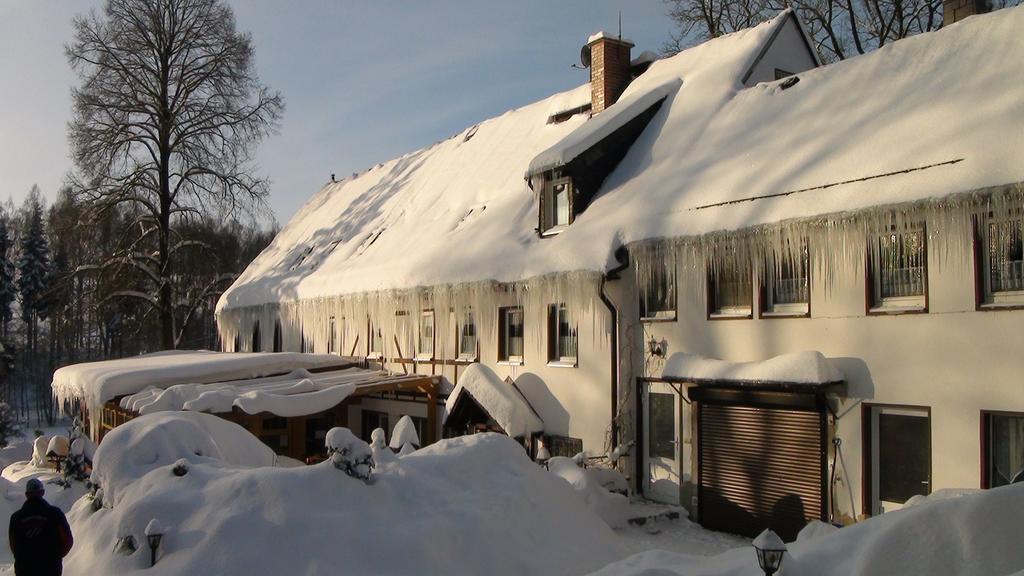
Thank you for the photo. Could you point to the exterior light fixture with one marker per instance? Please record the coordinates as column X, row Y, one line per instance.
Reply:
column 154, row 533
column 770, row 550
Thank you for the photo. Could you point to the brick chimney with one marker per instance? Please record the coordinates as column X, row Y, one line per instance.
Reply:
column 957, row 10
column 609, row 69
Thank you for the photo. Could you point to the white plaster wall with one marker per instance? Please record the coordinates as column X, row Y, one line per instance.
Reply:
column 572, row 401
column 789, row 52
column 953, row 359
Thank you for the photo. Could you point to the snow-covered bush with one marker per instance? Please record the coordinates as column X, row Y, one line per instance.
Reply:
column 379, row 447
column 77, row 466
column 9, row 426
column 350, row 454
column 404, row 438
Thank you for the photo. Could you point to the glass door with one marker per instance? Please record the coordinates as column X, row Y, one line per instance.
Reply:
column 662, row 443
column 900, row 456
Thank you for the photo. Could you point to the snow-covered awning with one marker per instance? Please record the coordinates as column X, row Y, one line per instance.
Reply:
column 99, row 382
column 809, row 369
column 502, row 401
column 299, row 393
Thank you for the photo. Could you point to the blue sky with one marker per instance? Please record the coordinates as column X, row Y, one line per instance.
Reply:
column 363, row 81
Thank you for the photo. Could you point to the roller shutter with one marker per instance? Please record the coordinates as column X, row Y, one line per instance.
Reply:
column 760, row 467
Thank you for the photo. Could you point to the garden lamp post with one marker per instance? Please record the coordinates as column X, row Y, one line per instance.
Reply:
column 154, row 533
column 770, row 550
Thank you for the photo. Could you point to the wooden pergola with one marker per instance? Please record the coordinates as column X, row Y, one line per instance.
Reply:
column 298, row 437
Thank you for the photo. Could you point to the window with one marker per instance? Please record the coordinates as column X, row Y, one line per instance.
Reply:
column 556, row 205
column 730, row 290
column 332, row 336
column 371, row 420
column 420, row 424
column 376, row 342
column 257, row 338
column 1001, row 260
column 1004, row 447
column 562, row 336
column 467, row 336
column 780, row 74
column 898, row 272
column 426, row 337
column 657, row 288
column 278, row 339
column 510, row 334
column 786, row 283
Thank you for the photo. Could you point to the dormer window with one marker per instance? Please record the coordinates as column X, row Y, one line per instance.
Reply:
column 556, row 206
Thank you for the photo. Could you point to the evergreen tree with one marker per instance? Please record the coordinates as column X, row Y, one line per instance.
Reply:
column 8, row 291
column 33, row 264
column 33, row 272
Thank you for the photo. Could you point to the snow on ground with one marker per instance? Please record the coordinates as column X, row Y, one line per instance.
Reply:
column 971, row 534
column 17, row 471
column 469, row 505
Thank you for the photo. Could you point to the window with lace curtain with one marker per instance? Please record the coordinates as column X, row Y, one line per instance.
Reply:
column 898, row 271
column 1001, row 261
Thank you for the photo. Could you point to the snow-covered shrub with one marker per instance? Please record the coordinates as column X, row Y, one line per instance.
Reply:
column 379, row 447
column 349, row 454
column 77, row 466
column 39, row 446
column 404, row 438
column 9, row 426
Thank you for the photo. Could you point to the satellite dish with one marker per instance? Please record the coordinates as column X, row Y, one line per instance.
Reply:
column 585, row 56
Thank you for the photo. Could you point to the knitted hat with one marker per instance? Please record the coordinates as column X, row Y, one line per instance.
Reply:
column 34, row 488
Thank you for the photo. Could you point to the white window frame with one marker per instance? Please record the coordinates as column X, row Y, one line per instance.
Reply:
column 771, row 278
column 504, row 349
column 1001, row 298
column 890, row 304
column 555, row 358
column 550, row 223
column 422, row 353
column 468, row 319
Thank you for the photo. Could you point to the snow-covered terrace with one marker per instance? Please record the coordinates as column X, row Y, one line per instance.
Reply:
column 298, row 393
column 932, row 121
column 284, row 384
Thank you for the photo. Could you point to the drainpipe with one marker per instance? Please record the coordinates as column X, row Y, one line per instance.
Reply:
column 622, row 256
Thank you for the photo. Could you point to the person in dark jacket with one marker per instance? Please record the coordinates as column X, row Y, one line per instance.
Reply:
column 39, row 535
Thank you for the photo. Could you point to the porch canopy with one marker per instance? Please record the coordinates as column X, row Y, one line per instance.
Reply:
column 282, row 384
column 807, row 371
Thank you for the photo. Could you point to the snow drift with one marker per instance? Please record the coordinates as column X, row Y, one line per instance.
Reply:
column 974, row 534
column 158, row 440
column 470, row 505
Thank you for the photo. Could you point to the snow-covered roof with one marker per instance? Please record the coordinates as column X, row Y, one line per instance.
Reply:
column 809, row 367
column 502, row 401
column 923, row 118
column 298, row 393
column 99, row 382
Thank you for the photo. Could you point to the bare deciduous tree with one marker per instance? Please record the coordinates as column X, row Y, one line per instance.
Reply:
column 166, row 116
column 839, row 28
